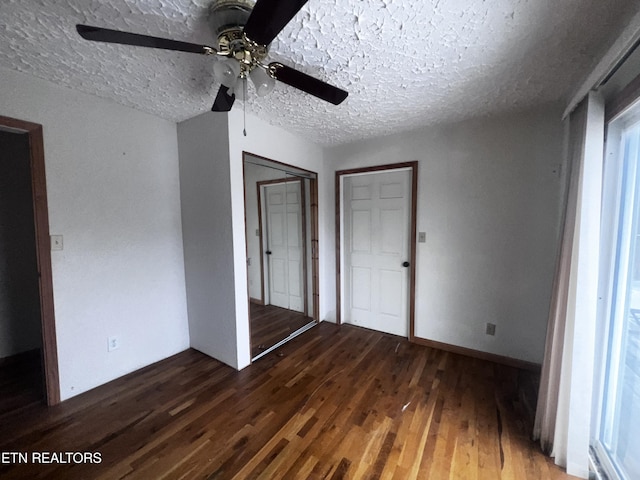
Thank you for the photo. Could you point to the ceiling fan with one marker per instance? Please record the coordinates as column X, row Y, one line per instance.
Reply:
column 244, row 31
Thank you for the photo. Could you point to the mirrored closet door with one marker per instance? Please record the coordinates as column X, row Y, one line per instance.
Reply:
column 281, row 232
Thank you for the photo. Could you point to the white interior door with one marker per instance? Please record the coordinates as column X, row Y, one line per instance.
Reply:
column 376, row 229
column 284, row 245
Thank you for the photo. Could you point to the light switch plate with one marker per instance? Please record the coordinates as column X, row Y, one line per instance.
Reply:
column 56, row 242
column 422, row 237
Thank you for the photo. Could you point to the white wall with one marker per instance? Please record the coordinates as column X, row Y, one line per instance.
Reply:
column 276, row 144
column 208, row 241
column 488, row 200
column 113, row 192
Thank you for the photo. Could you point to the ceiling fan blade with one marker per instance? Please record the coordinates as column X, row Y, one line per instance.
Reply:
column 269, row 17
column 308, row 84
column 99, row 34
column 223, row 101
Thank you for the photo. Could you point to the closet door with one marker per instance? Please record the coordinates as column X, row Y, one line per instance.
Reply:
column 376, row 237
column 285, row 245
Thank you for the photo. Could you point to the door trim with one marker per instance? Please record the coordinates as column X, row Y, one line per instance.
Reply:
column 413, row 166
column 43, row 253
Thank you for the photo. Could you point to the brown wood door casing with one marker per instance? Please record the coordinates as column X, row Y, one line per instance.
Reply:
column 43, row 252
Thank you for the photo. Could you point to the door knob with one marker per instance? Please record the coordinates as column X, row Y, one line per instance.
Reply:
column 405, row 264
column 268, row 252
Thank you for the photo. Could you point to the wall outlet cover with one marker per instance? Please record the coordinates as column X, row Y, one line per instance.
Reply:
column 113, row 343
column 56, row 242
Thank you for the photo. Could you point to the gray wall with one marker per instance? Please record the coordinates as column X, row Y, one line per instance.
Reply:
column 19, row 296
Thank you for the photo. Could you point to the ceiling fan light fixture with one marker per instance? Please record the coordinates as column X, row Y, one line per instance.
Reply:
column 262, row 80
column 226, row 71
column 238, row 89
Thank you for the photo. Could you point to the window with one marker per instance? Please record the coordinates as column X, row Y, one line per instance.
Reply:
column 617, row 438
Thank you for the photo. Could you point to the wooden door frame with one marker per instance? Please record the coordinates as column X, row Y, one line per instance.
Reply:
column 303, row 207
column 413, row 168
column 43, row 252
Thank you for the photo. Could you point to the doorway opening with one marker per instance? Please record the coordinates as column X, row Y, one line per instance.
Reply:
column 376, row 247
column 27, row 299
column 281, row 227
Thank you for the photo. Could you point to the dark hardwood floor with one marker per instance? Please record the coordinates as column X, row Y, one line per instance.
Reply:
column 270, row 325
column 342, row 402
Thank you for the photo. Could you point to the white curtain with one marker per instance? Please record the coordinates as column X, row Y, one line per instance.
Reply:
column 563, row 413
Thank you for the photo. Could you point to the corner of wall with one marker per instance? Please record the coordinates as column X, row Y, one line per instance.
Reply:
column 207, row 227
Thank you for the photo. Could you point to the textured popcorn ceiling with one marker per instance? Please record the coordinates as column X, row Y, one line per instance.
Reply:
column 405, row 63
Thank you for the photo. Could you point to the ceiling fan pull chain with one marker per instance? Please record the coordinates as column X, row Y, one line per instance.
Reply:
column 244, row 104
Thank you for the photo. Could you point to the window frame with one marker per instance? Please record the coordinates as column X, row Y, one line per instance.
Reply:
column 618, row 212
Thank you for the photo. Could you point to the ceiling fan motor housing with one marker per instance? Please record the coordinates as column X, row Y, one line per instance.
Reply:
column 227, row 18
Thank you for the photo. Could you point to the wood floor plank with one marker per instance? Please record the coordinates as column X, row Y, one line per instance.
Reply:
column 341, row 402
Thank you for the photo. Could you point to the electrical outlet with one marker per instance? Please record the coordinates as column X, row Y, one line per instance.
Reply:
column 491, row 329
column 113, row 343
